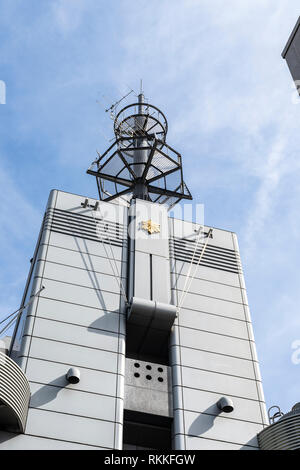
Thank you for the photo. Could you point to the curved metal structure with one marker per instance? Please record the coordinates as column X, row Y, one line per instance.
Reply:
column 140, row 161
column 283, row 434
column 14, row 395
column 134, row 121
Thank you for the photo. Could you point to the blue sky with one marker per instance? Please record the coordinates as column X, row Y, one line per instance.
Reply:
column 215, row 69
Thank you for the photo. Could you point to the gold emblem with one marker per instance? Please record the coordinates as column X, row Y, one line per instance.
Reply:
column 151, row 227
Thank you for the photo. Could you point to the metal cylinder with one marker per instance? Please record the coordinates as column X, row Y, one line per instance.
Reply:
column 73, row 375
column 225, row 404
column 284, row 434
column 14, row 395
column 140, row 156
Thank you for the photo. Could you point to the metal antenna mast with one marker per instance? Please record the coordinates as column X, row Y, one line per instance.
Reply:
column 140, row 161
column 140, row 155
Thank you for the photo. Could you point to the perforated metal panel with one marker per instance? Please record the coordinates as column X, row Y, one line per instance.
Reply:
column 148, row 388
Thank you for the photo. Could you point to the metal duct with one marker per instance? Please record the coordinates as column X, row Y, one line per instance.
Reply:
column 152, row 314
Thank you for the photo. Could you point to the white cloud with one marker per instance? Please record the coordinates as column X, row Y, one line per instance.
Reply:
column 19, row 220
column 68, row 14
column 17, row 216
column 272, row 170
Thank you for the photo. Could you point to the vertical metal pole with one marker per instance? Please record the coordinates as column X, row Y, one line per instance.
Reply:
column 140, row 156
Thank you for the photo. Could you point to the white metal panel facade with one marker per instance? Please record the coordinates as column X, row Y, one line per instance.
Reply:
column 213, row 350
column 79, row 320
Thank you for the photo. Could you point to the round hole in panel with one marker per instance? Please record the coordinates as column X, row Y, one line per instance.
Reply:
column 148, row 367
column 137, row 375
column 148, row 377
column 160, row 379
column 136, row 364
column 160, row 369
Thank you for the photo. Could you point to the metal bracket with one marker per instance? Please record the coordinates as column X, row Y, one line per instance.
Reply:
column 86, row 204
column 208, row 234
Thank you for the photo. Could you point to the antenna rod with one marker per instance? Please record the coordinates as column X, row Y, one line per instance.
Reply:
column 140, row 156
column 141, row 103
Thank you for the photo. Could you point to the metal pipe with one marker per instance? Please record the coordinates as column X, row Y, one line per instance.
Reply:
column 140, row 156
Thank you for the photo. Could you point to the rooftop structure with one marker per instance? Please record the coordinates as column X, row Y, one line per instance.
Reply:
column 134, row 330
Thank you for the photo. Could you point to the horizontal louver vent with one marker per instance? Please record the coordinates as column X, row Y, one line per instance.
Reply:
column 213, row 257
column 282, row 435
column 83, row 226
